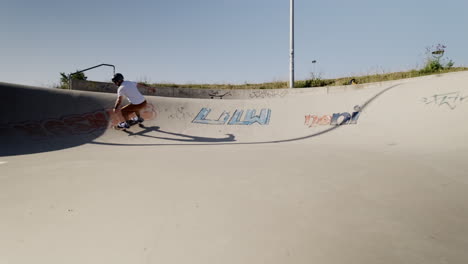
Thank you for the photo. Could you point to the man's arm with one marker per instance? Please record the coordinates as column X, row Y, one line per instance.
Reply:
column 117, row 103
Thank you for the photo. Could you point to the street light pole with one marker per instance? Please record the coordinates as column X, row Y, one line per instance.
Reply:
column 314, row 74
column 291, row 54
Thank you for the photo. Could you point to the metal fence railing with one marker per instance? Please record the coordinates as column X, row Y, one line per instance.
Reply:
column 78, row 72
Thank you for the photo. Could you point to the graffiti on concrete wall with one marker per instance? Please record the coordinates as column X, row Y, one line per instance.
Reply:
column 69, row 125
column 268, row 94
column 219, row 95
column 75, row 124
column 451, row 100
column 336, row 119
column 238, row 118
column 181, row 113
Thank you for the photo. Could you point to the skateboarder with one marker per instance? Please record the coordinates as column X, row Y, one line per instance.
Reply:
column 137, row 103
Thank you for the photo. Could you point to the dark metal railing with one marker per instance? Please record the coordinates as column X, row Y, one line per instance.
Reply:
column 78, row 72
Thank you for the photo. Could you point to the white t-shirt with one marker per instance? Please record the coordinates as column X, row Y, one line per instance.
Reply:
column 130, row 90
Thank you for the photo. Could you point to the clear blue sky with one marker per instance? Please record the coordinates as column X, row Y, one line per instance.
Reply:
column 219, row 41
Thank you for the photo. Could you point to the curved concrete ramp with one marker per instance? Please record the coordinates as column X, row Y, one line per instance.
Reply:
column 355, row 174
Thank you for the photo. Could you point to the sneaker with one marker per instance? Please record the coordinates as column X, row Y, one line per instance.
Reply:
column 138, row 120
column 122, row 125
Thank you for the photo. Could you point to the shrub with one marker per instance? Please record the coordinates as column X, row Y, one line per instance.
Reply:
column 432, row 66
column 434, row 61
column 64, row 79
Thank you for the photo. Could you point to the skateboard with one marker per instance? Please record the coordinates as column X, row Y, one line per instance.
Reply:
column 131, row 124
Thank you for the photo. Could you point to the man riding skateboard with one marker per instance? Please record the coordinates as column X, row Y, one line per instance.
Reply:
column 137, row 101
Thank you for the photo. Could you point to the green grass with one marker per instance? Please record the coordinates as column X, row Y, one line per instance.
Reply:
column 317, row 82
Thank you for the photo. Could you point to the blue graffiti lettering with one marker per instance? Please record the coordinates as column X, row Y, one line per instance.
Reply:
column 355, row 118
column 250, row 117
column 201, row 118
column 344, row 121
column 336, row 119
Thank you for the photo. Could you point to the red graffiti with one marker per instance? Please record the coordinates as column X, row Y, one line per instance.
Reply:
column 313, row 120
column 336, row 119
column 76, row 124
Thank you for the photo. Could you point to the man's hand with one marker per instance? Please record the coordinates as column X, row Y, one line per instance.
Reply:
column 117, row 103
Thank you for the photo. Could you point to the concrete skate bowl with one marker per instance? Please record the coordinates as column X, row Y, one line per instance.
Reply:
column 35, row 120
column 355, row 174
column 40, row 120
column 390, row 113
